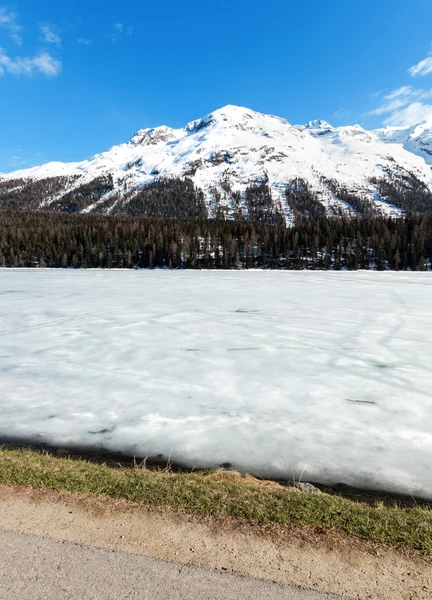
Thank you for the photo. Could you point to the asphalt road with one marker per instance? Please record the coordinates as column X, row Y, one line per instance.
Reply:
column 36, row 568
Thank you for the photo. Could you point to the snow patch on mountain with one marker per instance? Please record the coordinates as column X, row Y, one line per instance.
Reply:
column 416, row 139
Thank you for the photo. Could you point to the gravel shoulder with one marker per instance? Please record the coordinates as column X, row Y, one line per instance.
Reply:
column 324, row 563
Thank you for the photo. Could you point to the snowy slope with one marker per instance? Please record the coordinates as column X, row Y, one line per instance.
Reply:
column 240, row 146
column 416, row 139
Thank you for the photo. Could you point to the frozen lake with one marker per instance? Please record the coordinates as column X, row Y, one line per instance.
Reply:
column 327, row 376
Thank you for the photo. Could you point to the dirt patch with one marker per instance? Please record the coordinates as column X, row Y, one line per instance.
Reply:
column 307, row 558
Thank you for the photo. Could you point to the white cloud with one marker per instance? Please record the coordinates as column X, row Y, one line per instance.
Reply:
column 17, row 161
column 43, row 63
column 120, row 30
column 405, row 90
column 8, row 21
column 424, row 67
column 414, row 113
column 47, row 64
column 394, row 100
column 404, row 108
column 84, row 41
column 388, row 107
column 49, row 36
column 338, row 113
column 407, row 105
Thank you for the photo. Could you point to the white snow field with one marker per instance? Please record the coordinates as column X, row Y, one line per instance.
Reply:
column 324, row 376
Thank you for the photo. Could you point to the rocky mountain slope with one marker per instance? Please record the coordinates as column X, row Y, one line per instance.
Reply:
column 234, row 160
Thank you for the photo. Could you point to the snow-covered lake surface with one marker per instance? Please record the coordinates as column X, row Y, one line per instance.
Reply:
column 327, row 376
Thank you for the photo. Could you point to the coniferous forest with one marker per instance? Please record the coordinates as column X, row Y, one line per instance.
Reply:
column 167, row 225
column 54, row 239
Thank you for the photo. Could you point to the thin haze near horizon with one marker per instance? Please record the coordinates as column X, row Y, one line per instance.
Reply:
column 77, row 78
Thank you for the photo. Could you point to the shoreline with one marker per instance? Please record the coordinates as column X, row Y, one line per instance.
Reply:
column 123, row 461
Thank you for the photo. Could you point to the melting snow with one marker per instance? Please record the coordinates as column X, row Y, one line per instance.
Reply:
column 324, row 375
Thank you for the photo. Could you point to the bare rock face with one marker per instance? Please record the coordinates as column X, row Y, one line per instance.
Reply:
column 151, row 137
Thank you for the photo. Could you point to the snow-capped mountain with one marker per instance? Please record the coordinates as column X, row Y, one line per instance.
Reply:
column 416, row 139
column 227, row 151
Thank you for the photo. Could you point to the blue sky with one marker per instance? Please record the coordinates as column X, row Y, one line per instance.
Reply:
column 77, row 77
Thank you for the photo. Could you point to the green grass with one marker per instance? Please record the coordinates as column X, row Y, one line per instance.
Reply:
column 224, row 495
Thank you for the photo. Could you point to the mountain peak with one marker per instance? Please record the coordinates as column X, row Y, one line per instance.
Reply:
column 318, row 128
column 319, row 124
column 232, row 111
column 153, row 136
column 229, row 114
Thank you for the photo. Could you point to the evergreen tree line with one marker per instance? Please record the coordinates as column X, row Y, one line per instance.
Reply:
column 21, row 194
column 165, row 197
column 406, row 192
column 55, row 239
